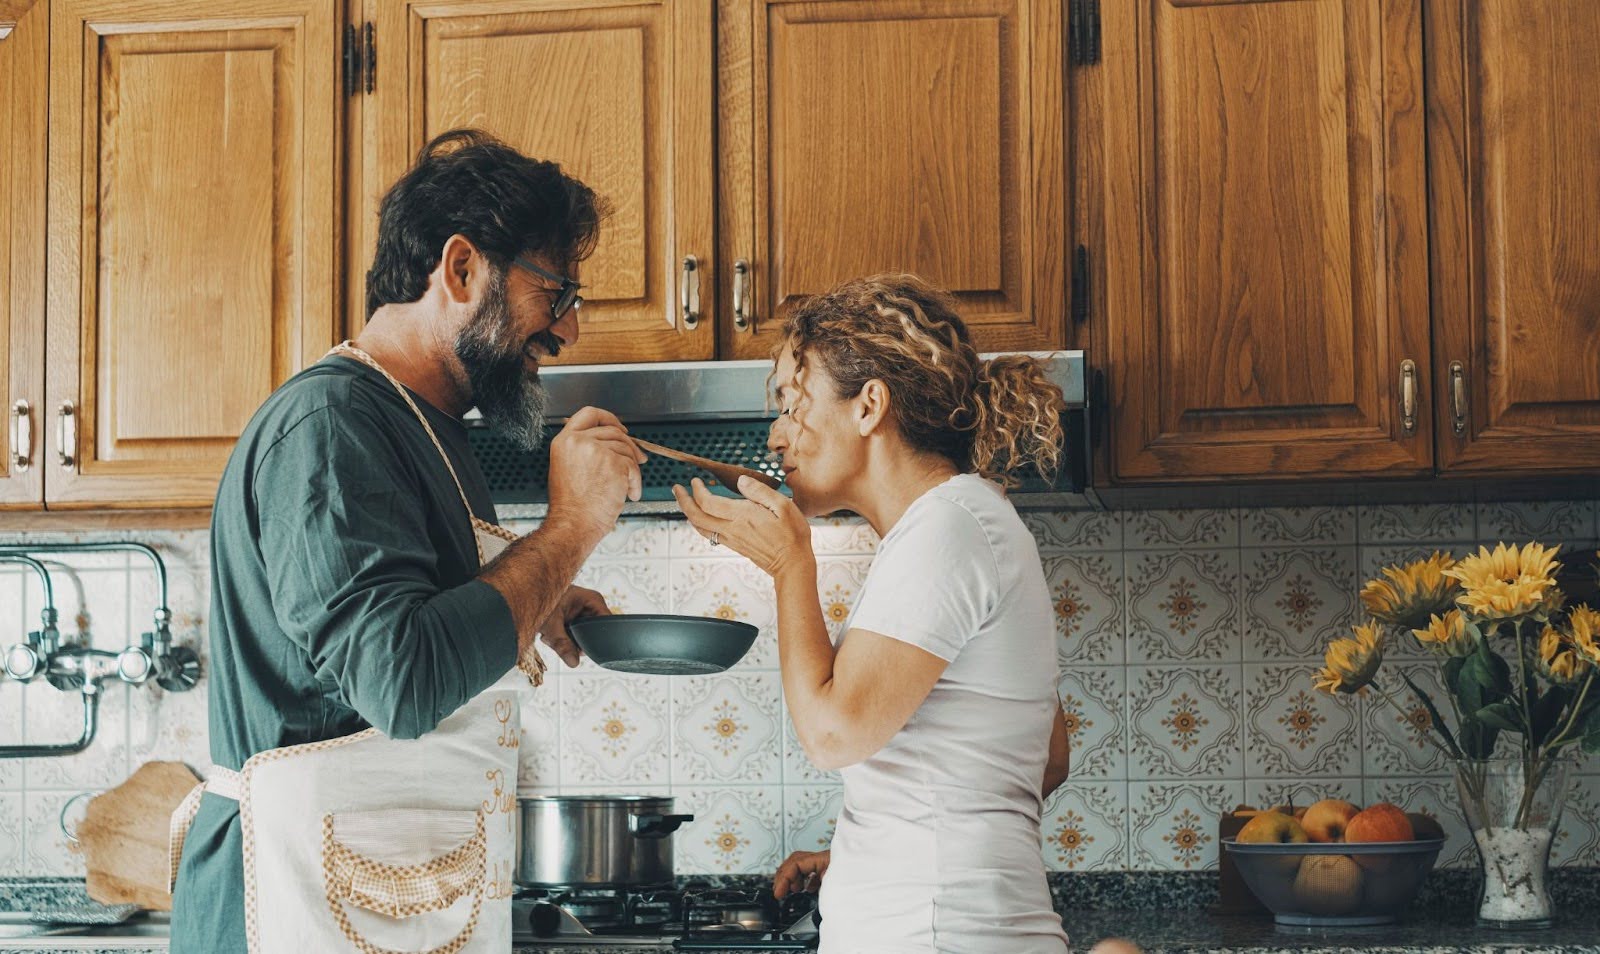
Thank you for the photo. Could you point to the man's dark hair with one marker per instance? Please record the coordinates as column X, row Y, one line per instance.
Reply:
column 468, row 182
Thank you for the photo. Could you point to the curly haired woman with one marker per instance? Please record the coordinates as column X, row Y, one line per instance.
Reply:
column 938, row 703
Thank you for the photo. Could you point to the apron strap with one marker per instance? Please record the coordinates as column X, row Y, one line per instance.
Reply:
column 224, row 782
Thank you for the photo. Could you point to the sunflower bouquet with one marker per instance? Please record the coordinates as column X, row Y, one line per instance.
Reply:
column 1515, row 660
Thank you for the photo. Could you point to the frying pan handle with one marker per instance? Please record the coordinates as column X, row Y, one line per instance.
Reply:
column 656, row 826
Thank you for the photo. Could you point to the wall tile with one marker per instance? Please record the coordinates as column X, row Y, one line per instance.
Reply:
column 13, row 828
column 1298, row 526
column 170, row 726
column 539, row 752
column 1430, row 796
column 1085, row 827
column 797, row 767
column 1266, row 793
column 633, row 539
column 1173, row 826
column 1396, row 737
column 842, row 536
column 730, row 589
column 1544, row 521
column 1086, row 593
column 641, row 586
column 727, row 728
column 1415, row 523
column 1185, row 722
column 54, row 717
column 839, row 581
column 1075, row 531
column 11, row 732
column 735, row 830
column 1158, row 529
column 1093, row 701
column 1578, row 839
column 1294, row 730
column 810, row 814
column 46, row 850
column 615, row 729
column 1296, row 600
column 1183, row 605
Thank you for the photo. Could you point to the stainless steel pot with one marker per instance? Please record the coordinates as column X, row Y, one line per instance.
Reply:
column 593, row 841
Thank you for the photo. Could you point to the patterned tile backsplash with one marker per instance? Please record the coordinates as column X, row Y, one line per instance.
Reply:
column 1185, row 640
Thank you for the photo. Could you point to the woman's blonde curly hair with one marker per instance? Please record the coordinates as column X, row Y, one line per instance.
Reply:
column 995, row 417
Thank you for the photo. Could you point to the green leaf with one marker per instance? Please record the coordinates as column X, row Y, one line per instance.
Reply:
column 1591, row 743
column 1433, row 711
column 1548, row 712
column 1486, row 670
column 1477, row 739
column 1503, row 716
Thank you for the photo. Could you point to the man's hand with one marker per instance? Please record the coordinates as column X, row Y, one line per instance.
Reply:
column 576, row 603
column 801, row 871
column 594, row 469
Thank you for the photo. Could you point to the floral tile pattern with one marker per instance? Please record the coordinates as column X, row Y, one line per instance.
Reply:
column 730, row 589
column 1086, row 594
column 636, row 538
column 1183, row 605
column 726, row 727
column 1265, row 793
column 842, row 536
column 809, row 817
column 171, row 726
column 1092, row 702
column 1293, row 730
column 1543, row 521
column 1296, row 600
column 1158, row 529
column 1073, row 531
column 797, row 767
column 734, row 830
column 1185, row 722
column 12, row 833
column 1578, row 839
column 1396, row 738
column 1430, row 796
column 1085, row 827
column 1173, row 827
column 1415, row 523
column 539, row 746
column 614, row 728
column 46, row 850
column 1301, row 526
column 838, row 586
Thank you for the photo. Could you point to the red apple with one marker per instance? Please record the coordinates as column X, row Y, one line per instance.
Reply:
column 1325, row 821
column 1378, row 823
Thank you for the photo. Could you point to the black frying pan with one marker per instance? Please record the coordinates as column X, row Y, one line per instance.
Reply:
column 662, row 645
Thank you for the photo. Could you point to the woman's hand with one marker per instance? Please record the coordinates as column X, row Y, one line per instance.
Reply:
column 766, row 526
column 801, row 871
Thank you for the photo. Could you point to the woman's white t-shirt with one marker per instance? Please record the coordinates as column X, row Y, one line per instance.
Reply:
column 937, row 845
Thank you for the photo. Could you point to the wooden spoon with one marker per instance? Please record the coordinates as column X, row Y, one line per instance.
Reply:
column 726, row 474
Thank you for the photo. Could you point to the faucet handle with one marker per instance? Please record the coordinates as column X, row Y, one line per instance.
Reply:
column 135, row 664
column 174, row 668
column 23, row 661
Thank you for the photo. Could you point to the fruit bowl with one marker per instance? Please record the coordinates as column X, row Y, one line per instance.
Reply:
column 1335, row 884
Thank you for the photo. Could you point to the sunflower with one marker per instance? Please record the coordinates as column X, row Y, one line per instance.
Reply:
column 1408, row 595
column 1447, row 635
column 1351, row 664
column 1583, row 629
column 1558, row 661
column 1506, row 583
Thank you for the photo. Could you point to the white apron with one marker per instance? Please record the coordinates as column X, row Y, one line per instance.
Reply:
column 377, row 845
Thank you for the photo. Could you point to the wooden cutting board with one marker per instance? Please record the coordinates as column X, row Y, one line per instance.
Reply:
column 123, row 836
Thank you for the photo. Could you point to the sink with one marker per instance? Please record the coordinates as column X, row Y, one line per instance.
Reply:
column 17, row 925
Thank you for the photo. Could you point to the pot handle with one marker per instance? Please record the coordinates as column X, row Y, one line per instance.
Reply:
column 656, row 826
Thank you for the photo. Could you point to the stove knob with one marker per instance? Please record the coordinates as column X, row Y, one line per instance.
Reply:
column 544, row 919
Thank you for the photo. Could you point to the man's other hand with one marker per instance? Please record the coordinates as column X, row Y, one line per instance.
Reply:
column 576, row 603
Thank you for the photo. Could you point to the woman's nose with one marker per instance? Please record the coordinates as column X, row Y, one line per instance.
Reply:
column 776, row 441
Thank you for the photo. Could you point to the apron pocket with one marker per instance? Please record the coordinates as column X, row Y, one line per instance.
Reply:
column 405, row 880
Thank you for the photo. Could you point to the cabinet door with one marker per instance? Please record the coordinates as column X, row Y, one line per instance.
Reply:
column 23, row 65
column 1514, row 148
column 865, row 136
column 1264, row 259
column 617, row 91
column 193, row 201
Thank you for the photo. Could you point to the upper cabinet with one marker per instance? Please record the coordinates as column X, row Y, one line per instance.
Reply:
column 24, row 64
column 192, row 233
column 1254, row 184
column 1514, row 146
column 620, row 93
column 864, row 136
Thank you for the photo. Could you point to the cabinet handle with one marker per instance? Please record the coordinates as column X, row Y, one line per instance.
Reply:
column 21, row 436
column 67, row 435
column 1408, row 396
column 1458, row 397
column 743, row 318
column 689, row 292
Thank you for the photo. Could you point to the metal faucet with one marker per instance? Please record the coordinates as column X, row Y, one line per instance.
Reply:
column 174, row 668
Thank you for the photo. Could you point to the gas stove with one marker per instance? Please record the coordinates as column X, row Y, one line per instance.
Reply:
column 695, row 917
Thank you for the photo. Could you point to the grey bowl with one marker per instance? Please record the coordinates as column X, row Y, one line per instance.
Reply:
column 1375, row 883
column 663, row 645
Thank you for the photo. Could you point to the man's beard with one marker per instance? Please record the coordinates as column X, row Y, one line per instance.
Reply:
column 510, row 398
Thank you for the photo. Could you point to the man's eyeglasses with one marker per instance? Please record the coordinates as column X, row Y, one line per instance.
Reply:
column 567, row 298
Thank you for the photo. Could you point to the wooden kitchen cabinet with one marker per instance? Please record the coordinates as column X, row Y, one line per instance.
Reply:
column 1514, row 152
column 1255, row 188
column 193, row 234
column 863, row 136
column 24, row 51
column 620, row 93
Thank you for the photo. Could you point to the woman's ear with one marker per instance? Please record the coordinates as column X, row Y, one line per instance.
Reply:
column 872, row 406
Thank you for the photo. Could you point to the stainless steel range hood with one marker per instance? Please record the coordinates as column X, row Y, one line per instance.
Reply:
column 719, row 409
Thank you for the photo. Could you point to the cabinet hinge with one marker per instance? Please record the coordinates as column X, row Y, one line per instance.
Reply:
column 360, row 59
column 1083, row 32
column 1080, row 285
